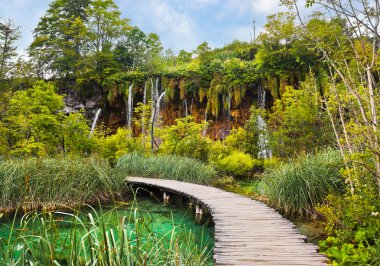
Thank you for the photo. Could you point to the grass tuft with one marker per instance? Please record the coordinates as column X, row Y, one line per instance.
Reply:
column 48, row 183
column 298, row 186
column 169, row 167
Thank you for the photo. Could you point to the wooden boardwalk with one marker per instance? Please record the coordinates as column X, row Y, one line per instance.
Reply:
column 247, row 232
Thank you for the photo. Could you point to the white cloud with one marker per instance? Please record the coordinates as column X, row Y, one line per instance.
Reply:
column 176, row 28
column 265, row 7
column 198, row 4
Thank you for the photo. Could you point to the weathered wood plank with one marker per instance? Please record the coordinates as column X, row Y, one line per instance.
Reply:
column 247, row 232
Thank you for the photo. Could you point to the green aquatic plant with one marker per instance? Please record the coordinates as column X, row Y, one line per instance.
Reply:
column 51, row 182
column 101, row 237
column 168, row 166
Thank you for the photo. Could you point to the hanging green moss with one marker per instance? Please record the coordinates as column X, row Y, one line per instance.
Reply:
column 169, row 93
column 202, row 94
column 182, row 89
column 213, row 94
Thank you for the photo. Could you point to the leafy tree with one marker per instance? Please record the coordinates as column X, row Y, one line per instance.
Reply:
column 138, row 50
column 34, row 115
column 104, row 24
column 130, row 52
column 203, row 52
column 9, row 33
column 244, row 140
column 185, row 139
column 114, row 146
column 184, row 57
column 284, row 55
column 297, row 123
column 60, row 38
column 74, row 135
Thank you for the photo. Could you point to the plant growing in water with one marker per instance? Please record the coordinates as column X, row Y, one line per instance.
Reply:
column 99, row 237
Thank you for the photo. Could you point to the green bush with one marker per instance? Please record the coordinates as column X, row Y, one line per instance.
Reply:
column 236, row 164
column 185, row 139
column 224, row 181
column 48, row 183
column 352, row 221
column 112, row 147
column 168, row 166
column 353, row 227
column 298, row 186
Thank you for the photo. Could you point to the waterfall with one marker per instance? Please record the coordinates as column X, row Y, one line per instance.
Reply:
column 263, row 142
column 152, row 94
column 229, row 106
column 97, row 114
column 204, row 132
column 158, row 107
column 185, row 104
column 143, row 114
column 144, row 97
column 155, row 116
column 156, row 89
column 261, row 97
column 129, row 107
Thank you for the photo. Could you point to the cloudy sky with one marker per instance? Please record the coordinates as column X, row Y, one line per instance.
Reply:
column 181, row 24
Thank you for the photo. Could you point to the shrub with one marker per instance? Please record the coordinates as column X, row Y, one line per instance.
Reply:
column 236, row 164
column 298, row 186
column 168, row 166
column 224, row 182
column 112, row 147
column 352, row 221
column 353, row 227
column 185, row 139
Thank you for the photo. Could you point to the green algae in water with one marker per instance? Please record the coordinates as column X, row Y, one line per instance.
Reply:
column 144, row 232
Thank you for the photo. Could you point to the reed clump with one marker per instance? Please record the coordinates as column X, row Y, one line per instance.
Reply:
column 49, row 183
column 298, row 186
column 166, row 166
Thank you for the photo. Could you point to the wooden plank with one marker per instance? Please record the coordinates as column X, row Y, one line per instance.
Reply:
column 247, row 232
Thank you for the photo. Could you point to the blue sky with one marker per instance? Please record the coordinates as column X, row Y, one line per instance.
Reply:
column 181, row 24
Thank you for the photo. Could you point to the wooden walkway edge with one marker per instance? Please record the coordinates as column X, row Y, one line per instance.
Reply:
column 247, row 232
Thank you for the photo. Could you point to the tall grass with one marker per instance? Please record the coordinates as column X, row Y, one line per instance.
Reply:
column 48, row 183
column 301, row 184
column 169, row 167
column 89, row 239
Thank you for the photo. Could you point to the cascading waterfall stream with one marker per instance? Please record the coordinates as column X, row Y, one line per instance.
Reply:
column 229, row 106
column 158, row 100
column 144, row 96
column 143, row 113
column 204, row 131
column 129, row 107
column 155, row 116
column 93, row 126
column 263, row 142
column 185, row 104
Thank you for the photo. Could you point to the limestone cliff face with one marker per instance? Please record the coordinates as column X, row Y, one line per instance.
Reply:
column 114, row 109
